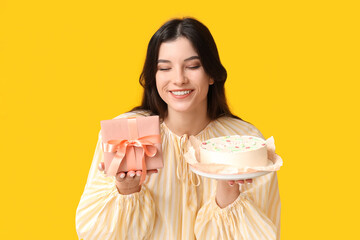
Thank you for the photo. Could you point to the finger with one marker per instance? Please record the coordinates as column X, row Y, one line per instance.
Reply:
column 138, row 173
column 131, row 174
column 152, row 171
column 120, row 176
column 101, row 166
column 248, row 181
column 240, row 182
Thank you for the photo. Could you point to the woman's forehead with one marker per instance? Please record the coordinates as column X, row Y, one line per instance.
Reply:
column 178, row 49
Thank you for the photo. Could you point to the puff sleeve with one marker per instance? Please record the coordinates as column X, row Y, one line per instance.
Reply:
column 255, row 214
column 103, row 213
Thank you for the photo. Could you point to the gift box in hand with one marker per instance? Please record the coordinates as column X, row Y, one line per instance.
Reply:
column 131, row 144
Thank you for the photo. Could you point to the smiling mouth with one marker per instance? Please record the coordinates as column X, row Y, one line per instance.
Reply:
column 181, row 93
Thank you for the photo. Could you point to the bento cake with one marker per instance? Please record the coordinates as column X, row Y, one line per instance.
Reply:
column 236, row 150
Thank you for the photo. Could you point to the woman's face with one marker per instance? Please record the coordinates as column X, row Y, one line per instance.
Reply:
column 180, row 78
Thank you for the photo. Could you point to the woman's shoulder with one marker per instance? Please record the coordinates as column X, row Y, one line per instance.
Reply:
column 136, row 113
column 238, row 126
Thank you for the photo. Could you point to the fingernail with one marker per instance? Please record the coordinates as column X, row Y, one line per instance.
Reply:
column 132, row 174
column 122, row 175
column 138, row 174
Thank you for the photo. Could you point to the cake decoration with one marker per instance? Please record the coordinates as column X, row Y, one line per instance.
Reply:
column 235, row 154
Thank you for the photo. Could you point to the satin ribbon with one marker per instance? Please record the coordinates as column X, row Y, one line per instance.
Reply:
column 182, row 170
column 122, row 146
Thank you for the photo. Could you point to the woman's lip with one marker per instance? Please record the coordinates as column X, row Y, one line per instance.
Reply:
column 180, row 90
column 180, row 96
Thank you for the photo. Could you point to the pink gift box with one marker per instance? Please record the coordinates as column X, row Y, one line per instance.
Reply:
column 129, row 144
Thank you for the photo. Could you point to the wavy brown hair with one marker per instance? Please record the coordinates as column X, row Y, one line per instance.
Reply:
column 200, row 37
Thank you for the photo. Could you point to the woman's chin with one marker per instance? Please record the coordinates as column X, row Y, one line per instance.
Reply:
column 187, row 108
column 180, row 109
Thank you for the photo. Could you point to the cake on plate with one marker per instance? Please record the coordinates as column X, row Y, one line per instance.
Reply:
column 238, row 151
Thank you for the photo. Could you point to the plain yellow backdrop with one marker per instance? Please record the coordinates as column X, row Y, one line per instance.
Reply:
column 293, row 71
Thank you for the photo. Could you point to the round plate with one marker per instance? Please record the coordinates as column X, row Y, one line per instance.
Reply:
column 241, row 176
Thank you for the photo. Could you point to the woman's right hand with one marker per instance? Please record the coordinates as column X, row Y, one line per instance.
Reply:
column 127, row 183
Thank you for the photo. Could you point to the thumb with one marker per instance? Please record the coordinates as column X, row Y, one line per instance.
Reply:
column 101, row 166
column 149, row 172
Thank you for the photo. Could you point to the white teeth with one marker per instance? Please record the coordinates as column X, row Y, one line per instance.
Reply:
column 180, row 93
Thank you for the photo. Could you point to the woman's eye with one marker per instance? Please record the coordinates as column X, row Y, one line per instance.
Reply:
column 164, row 69
column 194, row 67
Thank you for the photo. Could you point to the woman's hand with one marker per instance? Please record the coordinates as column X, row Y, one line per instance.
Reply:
column 228, row 191
column 232, row 182
column 128, row 183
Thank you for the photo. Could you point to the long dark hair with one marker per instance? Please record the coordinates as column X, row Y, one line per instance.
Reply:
column 200, row 37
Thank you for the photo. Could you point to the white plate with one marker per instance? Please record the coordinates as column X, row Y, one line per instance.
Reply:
column 229, row 176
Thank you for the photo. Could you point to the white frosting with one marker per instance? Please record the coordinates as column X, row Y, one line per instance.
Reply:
column 238, row 151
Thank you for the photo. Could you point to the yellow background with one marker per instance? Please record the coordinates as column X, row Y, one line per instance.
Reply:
column 293, row 71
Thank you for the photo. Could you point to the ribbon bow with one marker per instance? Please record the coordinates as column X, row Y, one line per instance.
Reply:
column 123, row 145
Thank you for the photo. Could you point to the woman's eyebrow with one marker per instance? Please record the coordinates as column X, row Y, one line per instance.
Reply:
column 168, row 61
column 162, row 60
column 191, row 58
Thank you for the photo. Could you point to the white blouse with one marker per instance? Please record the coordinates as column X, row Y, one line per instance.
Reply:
column 172, row 204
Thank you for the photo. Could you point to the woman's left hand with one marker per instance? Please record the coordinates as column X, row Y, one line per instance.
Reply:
column 227, row 191
column 232, row 182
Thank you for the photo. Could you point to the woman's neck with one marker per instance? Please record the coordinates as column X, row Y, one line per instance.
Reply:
column 186, row 123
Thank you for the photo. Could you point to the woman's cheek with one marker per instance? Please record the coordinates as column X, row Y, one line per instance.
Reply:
column 158, row 81
column 161, row 88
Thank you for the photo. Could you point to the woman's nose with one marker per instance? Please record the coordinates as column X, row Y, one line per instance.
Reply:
column 180, row 78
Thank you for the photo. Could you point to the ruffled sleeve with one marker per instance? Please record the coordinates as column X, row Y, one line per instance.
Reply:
column 103, row 213
column 239, row 220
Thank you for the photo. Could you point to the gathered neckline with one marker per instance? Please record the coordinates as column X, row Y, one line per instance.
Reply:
column 197, row 135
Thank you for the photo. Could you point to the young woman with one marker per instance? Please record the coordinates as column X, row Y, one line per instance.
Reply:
column 183, row 82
